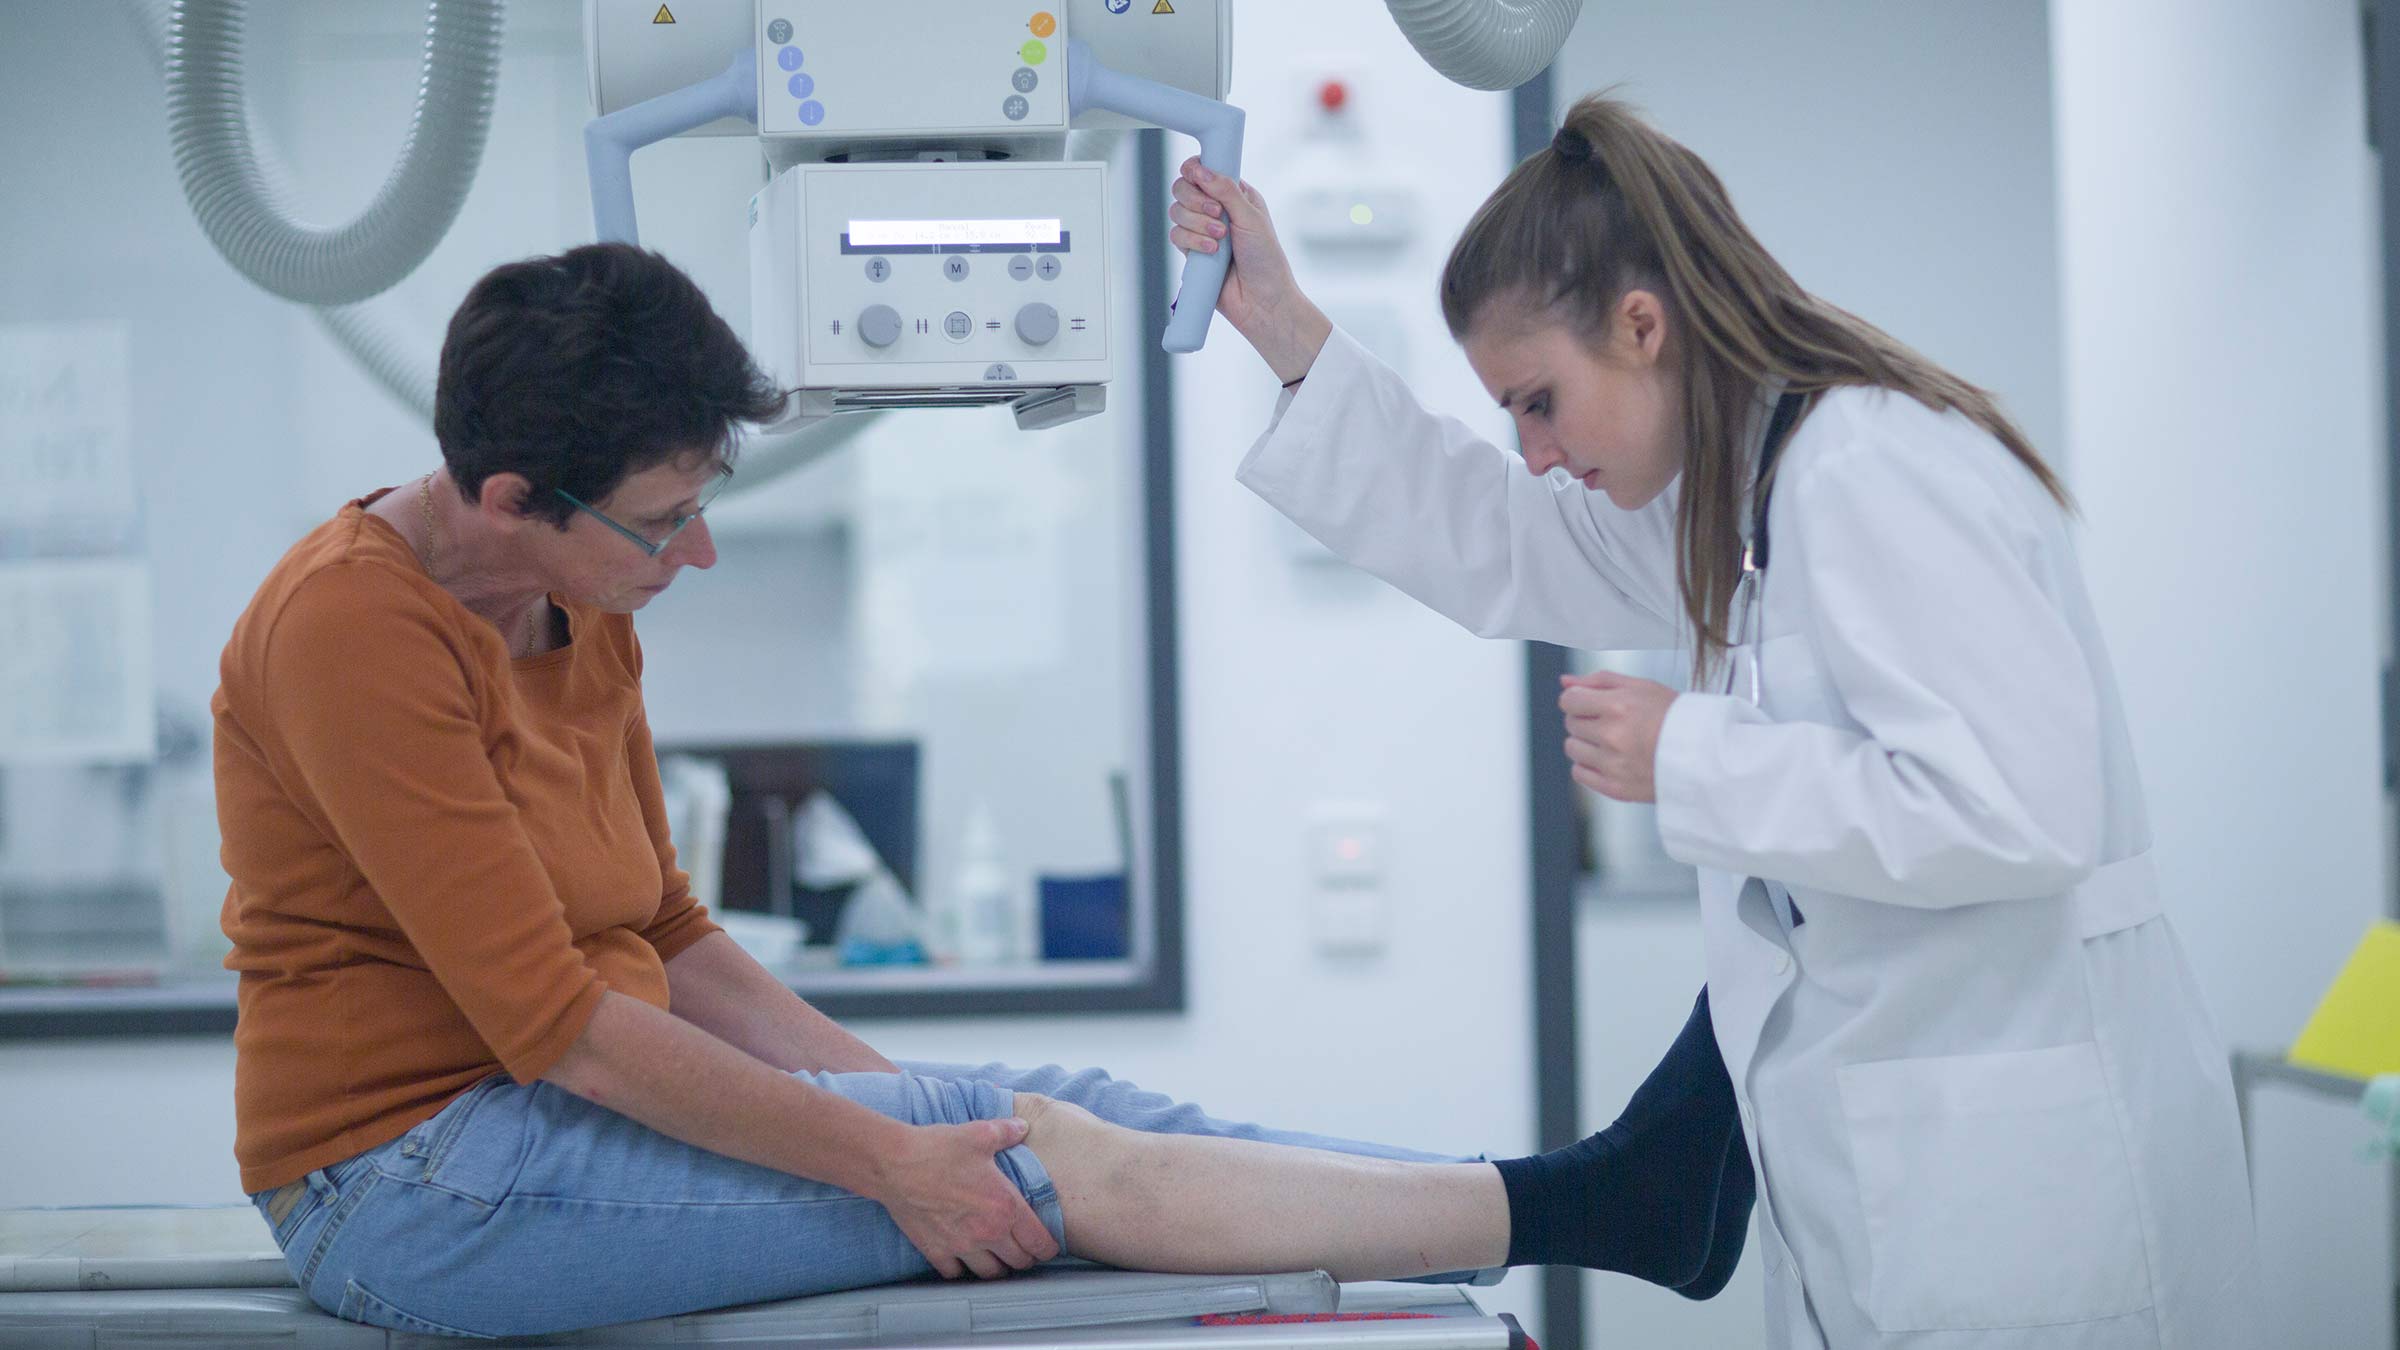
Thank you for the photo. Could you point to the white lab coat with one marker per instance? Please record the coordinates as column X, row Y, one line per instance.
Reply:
column 1985, row 1104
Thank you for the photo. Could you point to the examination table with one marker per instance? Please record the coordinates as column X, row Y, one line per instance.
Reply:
column 100, row 1278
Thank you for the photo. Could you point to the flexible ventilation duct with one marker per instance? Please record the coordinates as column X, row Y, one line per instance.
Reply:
column 1486, row 44
column 240, row 207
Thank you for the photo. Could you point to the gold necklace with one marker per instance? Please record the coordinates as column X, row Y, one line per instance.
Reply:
column 425, row 501
column 533, row 615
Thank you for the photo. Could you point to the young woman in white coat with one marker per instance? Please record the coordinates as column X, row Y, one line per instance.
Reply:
column 1984, row 1104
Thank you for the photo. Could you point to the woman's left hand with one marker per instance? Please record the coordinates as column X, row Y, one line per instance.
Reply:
column 1612, row 732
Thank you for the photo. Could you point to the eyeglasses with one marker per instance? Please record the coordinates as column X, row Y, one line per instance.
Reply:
column 653, row 547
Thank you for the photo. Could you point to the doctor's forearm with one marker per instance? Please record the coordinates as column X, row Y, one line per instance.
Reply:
column 1290, row 337
column 718, row 987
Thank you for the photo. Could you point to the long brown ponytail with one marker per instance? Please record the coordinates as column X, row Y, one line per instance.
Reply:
column 1569, row 232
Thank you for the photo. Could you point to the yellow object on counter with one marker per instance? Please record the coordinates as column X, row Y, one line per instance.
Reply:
column 2356, row 1027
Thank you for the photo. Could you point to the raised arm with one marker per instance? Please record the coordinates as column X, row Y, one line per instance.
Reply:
column 1417, row 499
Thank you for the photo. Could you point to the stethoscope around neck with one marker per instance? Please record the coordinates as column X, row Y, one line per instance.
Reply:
column 1749, row 618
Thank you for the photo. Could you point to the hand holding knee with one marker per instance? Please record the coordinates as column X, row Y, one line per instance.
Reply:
column 956, row 1206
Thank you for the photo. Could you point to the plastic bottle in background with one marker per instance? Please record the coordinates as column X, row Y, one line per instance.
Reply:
column 989, row 914
column 879, row 927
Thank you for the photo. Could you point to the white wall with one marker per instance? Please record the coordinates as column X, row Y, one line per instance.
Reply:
column 1894, row 156
column 2223, row 342
column 1936, row 225
column 1301, row 683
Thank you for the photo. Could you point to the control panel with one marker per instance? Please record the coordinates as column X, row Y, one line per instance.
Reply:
column 834, row 70
column 913, row 274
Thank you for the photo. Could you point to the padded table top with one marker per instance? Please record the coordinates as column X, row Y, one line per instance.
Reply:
column 103, row 1277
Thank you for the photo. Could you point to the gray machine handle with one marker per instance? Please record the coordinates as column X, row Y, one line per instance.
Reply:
column 1218, row 127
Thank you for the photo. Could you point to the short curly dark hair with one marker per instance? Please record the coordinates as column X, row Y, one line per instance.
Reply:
column 580, row 369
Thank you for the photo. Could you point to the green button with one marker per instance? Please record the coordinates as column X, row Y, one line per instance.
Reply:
column 1033, row 52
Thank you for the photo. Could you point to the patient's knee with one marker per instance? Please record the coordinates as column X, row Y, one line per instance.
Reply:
column 1098, row 1169
column 1056, row 1126
column 1048, row 1114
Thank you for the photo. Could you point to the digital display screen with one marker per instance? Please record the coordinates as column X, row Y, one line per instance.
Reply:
column 867, row 234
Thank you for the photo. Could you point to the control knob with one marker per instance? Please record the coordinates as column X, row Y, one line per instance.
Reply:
column 1037, row 323
column 879, row 325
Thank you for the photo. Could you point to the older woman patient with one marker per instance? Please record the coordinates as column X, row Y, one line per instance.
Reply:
column 499, row 1074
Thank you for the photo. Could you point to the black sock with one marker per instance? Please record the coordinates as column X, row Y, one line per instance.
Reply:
column 1737, row 1190
column 1644, row 1195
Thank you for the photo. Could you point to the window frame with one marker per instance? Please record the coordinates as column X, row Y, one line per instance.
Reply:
column 204, row 1006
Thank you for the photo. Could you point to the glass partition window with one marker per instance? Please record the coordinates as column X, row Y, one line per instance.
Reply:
column 908, row 724
column 908, row 738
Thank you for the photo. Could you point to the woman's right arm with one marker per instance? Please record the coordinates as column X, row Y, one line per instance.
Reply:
column 938, row 1181
column 1417, row 499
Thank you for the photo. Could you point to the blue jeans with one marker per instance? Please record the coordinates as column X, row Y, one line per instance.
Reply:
column 519, row 1210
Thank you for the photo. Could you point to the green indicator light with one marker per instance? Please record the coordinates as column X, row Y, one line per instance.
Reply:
column 1033, row 52
column 1362, row 214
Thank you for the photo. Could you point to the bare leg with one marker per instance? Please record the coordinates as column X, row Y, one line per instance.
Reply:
column 1201, row 1205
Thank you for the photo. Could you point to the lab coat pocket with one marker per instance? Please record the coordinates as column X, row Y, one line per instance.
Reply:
column 1996, row 1191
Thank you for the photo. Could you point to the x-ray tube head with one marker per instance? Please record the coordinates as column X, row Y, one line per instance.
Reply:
column 922, row 240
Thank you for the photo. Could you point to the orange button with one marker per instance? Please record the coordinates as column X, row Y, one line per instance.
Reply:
column 1044, row 24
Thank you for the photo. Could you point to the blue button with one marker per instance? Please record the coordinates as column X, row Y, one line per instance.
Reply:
column 1119, row 6
column 788, row 58
column 1015, row 108
column 802, row 85
column 779, row 31
column 811, row 113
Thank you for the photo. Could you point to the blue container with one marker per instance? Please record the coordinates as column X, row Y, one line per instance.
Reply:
column 1085, row 918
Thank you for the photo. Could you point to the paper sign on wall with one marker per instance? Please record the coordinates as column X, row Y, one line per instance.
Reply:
column 66, row 467
column 75, row 671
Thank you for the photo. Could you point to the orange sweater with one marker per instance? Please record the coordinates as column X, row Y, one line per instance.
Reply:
column 440, row 857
